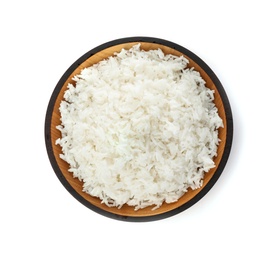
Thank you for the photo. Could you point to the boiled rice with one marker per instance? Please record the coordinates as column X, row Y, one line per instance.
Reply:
column 139, row 128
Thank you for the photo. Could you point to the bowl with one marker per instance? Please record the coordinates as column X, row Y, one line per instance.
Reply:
column 127, row 213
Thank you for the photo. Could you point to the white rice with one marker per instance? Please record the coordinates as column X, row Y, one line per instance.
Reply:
column 139, row 128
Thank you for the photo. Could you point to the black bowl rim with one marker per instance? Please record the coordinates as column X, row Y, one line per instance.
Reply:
column 208, row 186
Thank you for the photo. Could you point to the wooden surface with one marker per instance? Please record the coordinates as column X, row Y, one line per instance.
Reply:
column 127, row 210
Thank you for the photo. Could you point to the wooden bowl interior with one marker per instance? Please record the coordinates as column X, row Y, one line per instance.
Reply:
column 77, row 185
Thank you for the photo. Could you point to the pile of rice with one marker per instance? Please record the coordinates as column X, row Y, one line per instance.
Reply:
column 139, row 128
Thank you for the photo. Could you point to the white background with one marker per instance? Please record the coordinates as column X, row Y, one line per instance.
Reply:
column 237, row 219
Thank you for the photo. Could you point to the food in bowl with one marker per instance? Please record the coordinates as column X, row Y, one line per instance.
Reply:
column 139, row 128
